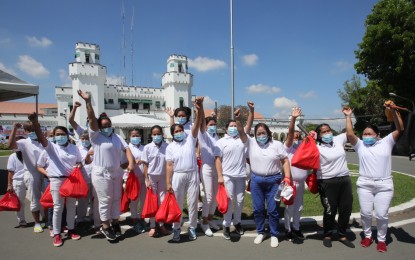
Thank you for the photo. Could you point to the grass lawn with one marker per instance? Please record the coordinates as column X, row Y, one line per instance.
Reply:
column 5, row 152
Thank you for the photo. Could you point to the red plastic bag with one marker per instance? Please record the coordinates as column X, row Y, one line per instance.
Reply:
column 125, row 203
column 169, row 211
column 291, row 200
column 150, row 205
column 307, row 156
column 10, row 202
column 222, row 199
column 74, row 186
column 46, row 200
column 312, row 182
column 132, row 186
column 199, row 164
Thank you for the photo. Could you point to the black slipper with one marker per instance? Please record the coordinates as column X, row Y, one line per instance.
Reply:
column 327, row 242
column 347, row 243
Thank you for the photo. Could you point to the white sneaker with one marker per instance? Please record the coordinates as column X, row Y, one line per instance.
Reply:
column 259, row 238
column 213, row 225
column 206, row 229
column 274, row 241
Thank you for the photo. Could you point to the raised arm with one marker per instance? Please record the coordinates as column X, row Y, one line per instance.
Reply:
column 241, row 131
column 203, row 126
column 72, row 115
column 296, row 112
column 347, row 111
column 397, row 120
column 169, row 111
column 12, row 138
column 250, row 119
column 199, row 107
column 93, row 122
column 36, row 127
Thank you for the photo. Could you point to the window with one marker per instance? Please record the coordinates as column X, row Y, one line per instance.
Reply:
column 146, row 106
column 180, row 67
column 96, row 57
column 181, row 102
column 136, row 106
column 110, row 101
column 158, row 104
column 123, row 104
column 172, row 65
column 86, row 58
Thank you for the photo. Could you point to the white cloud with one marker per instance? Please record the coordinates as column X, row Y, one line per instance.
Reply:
column 340, row 66
column 32, row 67
column 64, row 77
column 114, row 80
column 283, row 114
column 208, row 102
column 260, row 88
column 35, row 42
column 8, row 70
column 203, row 64
column 309, row 94
column 250, row 59
column 283, row 102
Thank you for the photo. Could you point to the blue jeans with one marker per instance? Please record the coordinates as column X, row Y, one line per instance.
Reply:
column 264, row 188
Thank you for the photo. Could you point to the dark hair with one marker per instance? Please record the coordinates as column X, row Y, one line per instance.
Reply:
column 266, row 129
column 373, row 127
column 300, row 136
column 318, row 130
column 156, row 127
column 186, row 110
column 230, row 121
column 101, row 117
column 209, row 118
column 173, row 126
column 84, row 134
column 134, row 129
column 61, row 128
column 28, row 127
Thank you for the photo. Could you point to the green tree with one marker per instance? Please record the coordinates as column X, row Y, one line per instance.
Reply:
column 224, row 115
column 366, row 102
column 387, row 52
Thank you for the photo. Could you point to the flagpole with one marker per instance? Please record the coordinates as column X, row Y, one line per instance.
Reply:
column 232, row 66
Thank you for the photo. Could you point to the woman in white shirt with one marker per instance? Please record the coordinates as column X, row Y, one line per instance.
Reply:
column 181, row 171
column 17, row 184
column 334, row 184
column 63, row 157
column 137, row 150
column 375, row 184
column 154, row 161
column 298, row 177
column 106, row 177
column 183, row 115
column 230, row 160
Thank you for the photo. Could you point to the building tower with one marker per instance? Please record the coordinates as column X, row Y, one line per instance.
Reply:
column 88, row 75
column 177, row 83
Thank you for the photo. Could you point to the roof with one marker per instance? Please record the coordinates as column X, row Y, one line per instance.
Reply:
column 22, row 108
column 134, row 120
column 12, row 87
column 208, row 112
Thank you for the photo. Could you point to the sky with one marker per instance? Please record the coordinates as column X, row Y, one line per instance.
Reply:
column 286, row 53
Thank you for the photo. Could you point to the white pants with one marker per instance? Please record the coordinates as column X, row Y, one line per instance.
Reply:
column 19, row 188
column 294, row 211
column 375, row 194
column 83, row 203
column 34, row 183
column 108, row 186
column 235, row 187
column 158, row 185
column 186, row 182
column 59, row 204
column 209, row 179
column 141, row 198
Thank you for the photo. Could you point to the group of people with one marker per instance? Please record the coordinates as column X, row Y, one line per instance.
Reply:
column 105, row 159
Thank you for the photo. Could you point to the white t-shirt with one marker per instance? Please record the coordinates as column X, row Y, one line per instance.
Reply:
column 265, row 159
column 333, row 158
column 16, row 166
column 107, row 150
column 183, row 154
column 87, row 168
column 233, row 154
column 62, row 159
column 375, row 160
column 155, row 157
column 137, row 154
column 31, row 151
column 207, row 146
column 43, row 160
column 297, row 174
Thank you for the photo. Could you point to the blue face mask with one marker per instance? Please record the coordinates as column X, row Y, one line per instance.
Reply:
column 369, row 140
column 86, row 143
column 61, row 139
column 50, row 139
column 157, row 139
column 32, row 136
column 182, row 120
column 135, row 140
column 327, row 138
column 262, row 139
column 179, row 137
column 211, row 129
column 106, row 131
column 232, row 131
